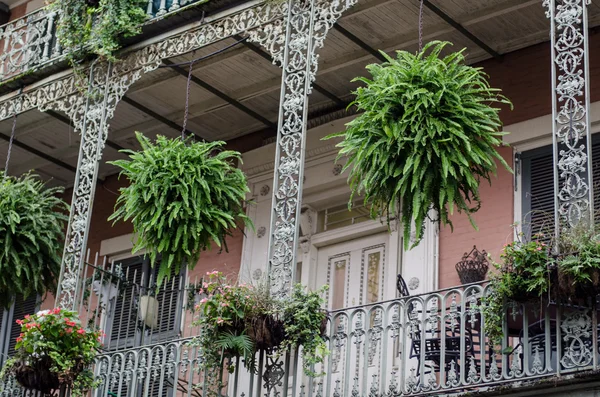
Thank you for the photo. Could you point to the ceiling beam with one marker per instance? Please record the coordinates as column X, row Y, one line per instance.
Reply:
column 169, row 123
column 39, row 153
column 450, row 21
column 259, row 51
column 151, row 81
column 353, row 38
column 233, row 102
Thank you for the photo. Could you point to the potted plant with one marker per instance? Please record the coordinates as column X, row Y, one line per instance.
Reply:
column 425, row 138
column 54, row 350
column 31, row 232
column 523, row 276
column 579, row 263
column 182, row 197
column 238, row 320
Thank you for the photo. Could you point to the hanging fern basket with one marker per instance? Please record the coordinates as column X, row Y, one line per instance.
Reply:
column 31, row 236
column 183, row 197
column 426, row 136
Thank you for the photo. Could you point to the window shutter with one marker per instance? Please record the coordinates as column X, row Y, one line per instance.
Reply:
column 123, row 316
column 538, row 189
column 22, row 307
column 170, row 300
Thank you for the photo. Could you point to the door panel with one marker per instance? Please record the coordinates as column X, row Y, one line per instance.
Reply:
column 355, row 271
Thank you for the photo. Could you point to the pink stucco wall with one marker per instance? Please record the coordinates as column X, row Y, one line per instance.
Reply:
column 494, row 220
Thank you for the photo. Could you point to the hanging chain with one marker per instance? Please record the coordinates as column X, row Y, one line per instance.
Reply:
column 187, row 102
column 10, row 144
column 421, row 27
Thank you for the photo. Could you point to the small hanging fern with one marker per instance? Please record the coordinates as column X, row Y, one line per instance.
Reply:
column 31, row 235
column 427, row 136
column 182, row 196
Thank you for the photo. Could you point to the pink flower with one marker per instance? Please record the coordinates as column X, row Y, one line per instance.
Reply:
column 224, row 304
column 69, row 330
column 220, row 320
column 539, row 248
column 204, row 285
column 203, row 300
column 81, row 331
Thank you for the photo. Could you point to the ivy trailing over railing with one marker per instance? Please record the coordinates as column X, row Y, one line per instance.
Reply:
column 426, row 137
column 95, row 26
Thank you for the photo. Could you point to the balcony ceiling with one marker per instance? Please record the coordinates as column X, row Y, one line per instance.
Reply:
column 243, row 87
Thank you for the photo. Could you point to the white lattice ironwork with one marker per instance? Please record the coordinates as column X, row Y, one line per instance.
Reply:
column 570, row 111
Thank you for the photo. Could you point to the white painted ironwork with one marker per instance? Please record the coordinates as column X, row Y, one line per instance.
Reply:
column 293, row 44
column 570, row 111
column 420, row 347
column 27, row 43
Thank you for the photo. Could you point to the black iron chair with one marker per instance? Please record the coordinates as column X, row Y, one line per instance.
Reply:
column 433, row 340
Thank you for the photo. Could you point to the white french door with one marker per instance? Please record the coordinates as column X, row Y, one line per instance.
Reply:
column 356, row 271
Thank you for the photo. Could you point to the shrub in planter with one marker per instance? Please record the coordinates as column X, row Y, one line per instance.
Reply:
column 523, row 276
column 426, row 136
column 579, row 264
column 238, row 320
column 52, row 350
column 182, row 196
column 31, row 235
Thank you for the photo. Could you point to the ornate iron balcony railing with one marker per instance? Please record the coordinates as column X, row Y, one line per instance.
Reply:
column 429, row 344
column 29, row 43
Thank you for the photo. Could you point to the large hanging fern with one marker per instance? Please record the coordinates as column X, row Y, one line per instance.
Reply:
column 182, row 196
column 427, row 136
column 31, row 235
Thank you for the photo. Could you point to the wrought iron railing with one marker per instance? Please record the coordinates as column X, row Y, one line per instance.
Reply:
column 432, row 343
column 29, row 42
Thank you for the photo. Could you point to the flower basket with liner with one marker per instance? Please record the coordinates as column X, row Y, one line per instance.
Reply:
column 240, row 320
column 54, row 351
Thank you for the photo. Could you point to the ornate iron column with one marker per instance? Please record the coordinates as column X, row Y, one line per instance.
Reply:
column 304, row 29
column 574, row 199
column 90, row 111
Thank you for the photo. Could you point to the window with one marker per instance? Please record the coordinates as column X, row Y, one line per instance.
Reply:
column 9, row 330
column 142, row 314
column 538, row 188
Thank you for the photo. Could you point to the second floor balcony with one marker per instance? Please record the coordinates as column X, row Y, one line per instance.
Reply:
column 427, row 344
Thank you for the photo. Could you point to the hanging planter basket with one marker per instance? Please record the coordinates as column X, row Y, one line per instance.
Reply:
column 473, row 267
column 571, row 288
column 425, row 137
column 266, row 332
column 183, row 197
column 31, row 236
column 36, row 377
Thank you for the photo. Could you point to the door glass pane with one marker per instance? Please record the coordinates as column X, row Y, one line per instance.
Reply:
column 339, row 283
column 373, row 271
